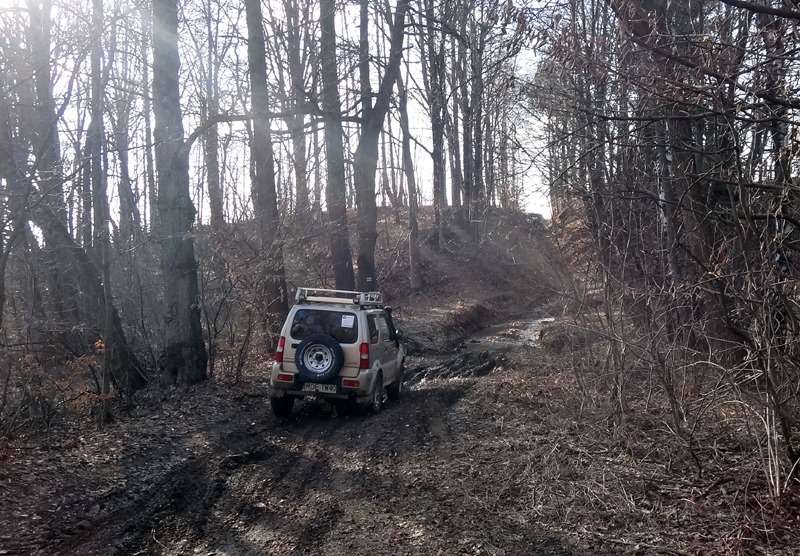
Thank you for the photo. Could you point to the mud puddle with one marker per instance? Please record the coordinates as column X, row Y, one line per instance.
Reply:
column 508, row 335
column 480, row 354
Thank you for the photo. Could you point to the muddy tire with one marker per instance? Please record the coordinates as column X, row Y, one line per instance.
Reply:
column 282, row 407
column 395, row 391
column 375, row 404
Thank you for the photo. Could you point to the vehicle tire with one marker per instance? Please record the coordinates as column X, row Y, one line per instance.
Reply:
column 282, row 407
column 394, row 391
column 376, row 398
column 319, row 358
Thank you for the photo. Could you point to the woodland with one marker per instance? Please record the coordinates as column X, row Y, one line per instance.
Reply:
column 171, row 170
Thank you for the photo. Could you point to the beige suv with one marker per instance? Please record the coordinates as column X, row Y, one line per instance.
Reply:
column 338, row 345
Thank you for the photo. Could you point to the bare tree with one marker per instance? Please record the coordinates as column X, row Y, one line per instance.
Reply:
column 183, row 360
column 264, row 192
column 336, row 185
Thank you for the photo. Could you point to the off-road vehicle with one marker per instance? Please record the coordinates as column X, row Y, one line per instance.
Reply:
column 338, row 345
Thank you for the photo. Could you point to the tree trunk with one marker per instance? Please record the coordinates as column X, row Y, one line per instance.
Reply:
column 211, row 143
column 147, row 108
column 49, row 147
column 414, row 271
column 96, row 135
column 478, row 194
column 366, row 157
column 184, row 359
column 264, row 190
column 436, row 101
column 466, row 111
column 297, row 119
column 363, row 62
column 456, row 177
column 336, row 186
column 317, row 207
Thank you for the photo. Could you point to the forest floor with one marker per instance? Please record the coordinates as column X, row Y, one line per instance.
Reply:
column 488, row 453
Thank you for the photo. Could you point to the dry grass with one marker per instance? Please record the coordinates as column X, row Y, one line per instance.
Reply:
column 628, row 483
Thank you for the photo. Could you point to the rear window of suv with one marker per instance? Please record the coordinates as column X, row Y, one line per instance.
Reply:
column 341, row 325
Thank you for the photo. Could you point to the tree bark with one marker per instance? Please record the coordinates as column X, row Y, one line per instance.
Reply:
column 264, row 190
column 183, row 359
column 49, row 166
column 147, row 108
column 211, row 143
column 296, row 121
column 466, row 111
column 366, row 157
column 414, row 271
column 336, row 186
column 435, row 69
column 456, row 177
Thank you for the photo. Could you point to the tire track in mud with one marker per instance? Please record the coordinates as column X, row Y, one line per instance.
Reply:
column 254, row 494
column 325, row 473
column 328, row 484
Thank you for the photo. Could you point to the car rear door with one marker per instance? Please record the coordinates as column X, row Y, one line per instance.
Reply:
column 388, row 347
column 375, row 344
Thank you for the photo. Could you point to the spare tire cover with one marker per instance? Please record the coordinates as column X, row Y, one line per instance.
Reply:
column 319, row 358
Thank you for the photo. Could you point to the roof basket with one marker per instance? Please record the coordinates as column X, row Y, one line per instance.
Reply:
column 316, row 295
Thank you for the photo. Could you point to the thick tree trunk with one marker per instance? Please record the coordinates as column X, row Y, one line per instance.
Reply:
column 89, row 289
column 184, row 359
column 336, row 186
column 436, row 100
column 366, row 157
column 48, row 148
column 264, row 190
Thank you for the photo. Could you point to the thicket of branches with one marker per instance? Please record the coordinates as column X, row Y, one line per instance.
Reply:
column 671, row 153
column 166, row 165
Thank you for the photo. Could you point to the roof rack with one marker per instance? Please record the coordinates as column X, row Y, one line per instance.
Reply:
column 316, row 295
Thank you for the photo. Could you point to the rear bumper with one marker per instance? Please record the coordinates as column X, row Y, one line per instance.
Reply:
column 281, row 388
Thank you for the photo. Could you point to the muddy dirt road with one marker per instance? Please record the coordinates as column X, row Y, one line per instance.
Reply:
column 423, row 477
column 445, row 470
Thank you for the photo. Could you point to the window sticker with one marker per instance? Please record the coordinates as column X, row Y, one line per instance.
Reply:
column 348, row 321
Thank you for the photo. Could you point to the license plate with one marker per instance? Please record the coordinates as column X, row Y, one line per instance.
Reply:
column 320, row 388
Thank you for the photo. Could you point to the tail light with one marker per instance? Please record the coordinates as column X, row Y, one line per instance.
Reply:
column 279, row 351
column 363, row 362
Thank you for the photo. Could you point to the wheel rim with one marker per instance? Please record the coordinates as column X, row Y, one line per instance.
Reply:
column 318, row 358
